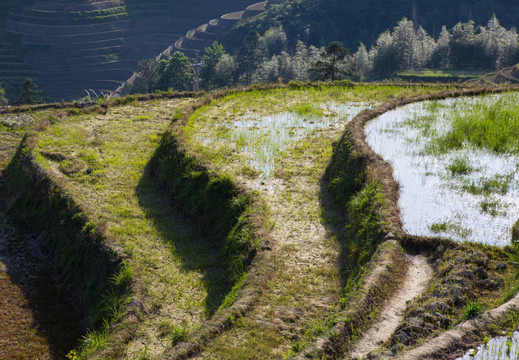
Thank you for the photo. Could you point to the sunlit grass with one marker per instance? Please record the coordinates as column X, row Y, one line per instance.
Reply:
column 252, row 128
column 173, row 269
column 492, row 124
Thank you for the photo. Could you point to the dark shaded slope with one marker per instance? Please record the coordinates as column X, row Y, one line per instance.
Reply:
column 78, row 44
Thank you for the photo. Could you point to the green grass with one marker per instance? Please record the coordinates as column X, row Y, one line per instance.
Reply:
column 446, row 227
column 444, row 73
column 460, row 166
column 179, row 334
column 308, row 110
column 472, row 309
column 299, row 220
column 491, row 125
column 365, row 226
column 498, row 184
column 174, row 269
column 234, row 144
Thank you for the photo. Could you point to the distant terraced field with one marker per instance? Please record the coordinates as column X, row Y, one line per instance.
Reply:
column 72, row 45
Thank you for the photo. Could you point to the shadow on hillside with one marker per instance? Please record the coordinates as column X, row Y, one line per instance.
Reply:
column 196, row 251
column 36, row 319
column 334, row 220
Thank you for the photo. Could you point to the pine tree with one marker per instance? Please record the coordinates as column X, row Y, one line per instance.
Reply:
column 148, row 77
column 267, row 72
column 442, row 53
column 225, row 71
column 498, row 45
column 274, row 41
column 29, row 93
column 249, row 56
column 363, row 61
column 177, row 73
column 463, row 45
column 385, row 57
column 328, row 65
column 424, row 48
column 3, row 99
column 286, row 67
column 300, row 61
column 213, row 55
column 404, row 41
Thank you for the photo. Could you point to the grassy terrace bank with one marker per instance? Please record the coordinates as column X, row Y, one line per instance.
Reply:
column 45, row 325
column 145, row 270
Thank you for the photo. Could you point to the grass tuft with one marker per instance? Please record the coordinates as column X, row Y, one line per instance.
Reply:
column 179, row 334
column 460, row 166
column 492, row 125
column 472, row 309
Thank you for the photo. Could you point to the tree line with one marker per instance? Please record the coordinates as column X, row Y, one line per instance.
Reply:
column 318, row 22
column 29, row 94
column 259, row 59
column 465, row 46
column 269, row 58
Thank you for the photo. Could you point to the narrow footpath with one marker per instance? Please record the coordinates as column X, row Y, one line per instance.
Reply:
column 415, row 283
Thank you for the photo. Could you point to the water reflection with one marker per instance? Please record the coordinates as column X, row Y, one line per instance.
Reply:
column 499, row 348
column 433, row 200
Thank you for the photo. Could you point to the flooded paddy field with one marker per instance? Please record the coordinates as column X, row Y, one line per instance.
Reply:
column 467, row 192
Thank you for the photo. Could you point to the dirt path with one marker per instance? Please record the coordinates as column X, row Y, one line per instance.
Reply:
column 416, row 281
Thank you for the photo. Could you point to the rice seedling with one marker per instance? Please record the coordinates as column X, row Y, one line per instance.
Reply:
column 491, row 124
column 472, row 309
column 493, row 208
column 460, row 166
column 501, row 347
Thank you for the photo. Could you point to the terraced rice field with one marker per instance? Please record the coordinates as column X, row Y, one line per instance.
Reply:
column 180, row 278
column 279, row 145
column 503, row 347
column 339, row 275
column 36, row 321
column 456, row 164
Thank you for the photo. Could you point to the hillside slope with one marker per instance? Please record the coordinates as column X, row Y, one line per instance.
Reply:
column 75, row 45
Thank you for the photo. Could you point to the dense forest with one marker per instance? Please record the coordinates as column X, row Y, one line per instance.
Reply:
column 318, row 22
column 465, row 46
column 269, row 58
